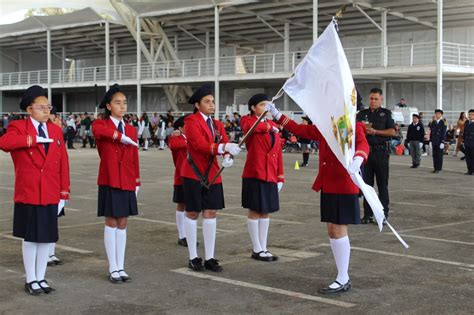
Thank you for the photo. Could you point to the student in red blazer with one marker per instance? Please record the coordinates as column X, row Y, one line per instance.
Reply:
column 262, row 178
column 179, row 149
column 119, row 178
column 206, row 139
column 41, row 184
column 339, row 195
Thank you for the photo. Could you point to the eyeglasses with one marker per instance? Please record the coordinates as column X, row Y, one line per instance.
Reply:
column 42, row 107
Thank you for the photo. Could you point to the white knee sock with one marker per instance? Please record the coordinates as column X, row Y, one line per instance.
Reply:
column 29, row 261
column 209, row 233
column 120, row 245
column 52, row 249
column 162, row 144
column 42, row 252
column 263, row 225
column 109, row 241
column 190, row 228
column 180, row 224
column 253, row 231
column 146, row 145
column 341, row 249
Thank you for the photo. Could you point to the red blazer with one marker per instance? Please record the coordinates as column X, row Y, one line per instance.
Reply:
column 263, row 161
column 40, row 178
column 178, row 146
column 201, row 146
column 119, row 167
column 332, row 176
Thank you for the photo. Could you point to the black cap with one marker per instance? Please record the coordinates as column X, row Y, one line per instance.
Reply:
column 29, row 96
column 179, row 123
column 257, row 98
column 200, row 93
column 416, row 115
column 108, row 95
column 470, row 111
column 439, row 111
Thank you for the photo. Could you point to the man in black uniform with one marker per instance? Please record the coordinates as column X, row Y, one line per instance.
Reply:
column 468, row 139
column 438, row 132
column 380, row 127
column 415, row 137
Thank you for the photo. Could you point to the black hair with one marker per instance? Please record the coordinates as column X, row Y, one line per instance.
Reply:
column 376, row 90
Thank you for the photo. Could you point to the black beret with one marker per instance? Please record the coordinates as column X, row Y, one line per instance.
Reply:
column 307, row 119
column 200, row 93
column 416, row 115
column 29, row 96
column 257, row 98
column 179, row 123
column 439, row 111
column 108, row 95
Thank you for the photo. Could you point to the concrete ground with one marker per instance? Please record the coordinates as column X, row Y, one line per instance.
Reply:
column 433, row 212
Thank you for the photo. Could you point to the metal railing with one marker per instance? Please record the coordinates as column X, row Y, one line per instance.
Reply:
column 404, row 55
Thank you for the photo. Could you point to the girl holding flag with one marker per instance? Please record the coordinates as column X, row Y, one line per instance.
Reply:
column 339, row 195
column 262, row 177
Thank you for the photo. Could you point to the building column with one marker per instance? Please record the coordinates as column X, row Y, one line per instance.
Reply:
column 139, row 70
column 383, row 86
column 115, row 59
column 439, row 57
column 286, row 56
column 107, row 55
column 384, row 39
column 315, row 20
column 48, row 55
column 216, row 61
column 208, row 40
column 20, row 61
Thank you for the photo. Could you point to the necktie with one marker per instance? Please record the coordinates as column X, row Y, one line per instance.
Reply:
column 209, row 124
column 42, row 134
column 120, row 127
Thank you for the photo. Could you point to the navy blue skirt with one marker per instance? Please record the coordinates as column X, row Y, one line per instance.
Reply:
column 114, row 202
column 198, row 198
column 178, row 194
column 260, row 196
column 340, row 208
column 37, row 224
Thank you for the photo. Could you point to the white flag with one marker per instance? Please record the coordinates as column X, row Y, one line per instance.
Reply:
column 324, row 89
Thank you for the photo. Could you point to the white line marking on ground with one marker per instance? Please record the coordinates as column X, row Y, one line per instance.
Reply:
column 427, row 167
column 6, row 188
column 79, row 225
column 293, row 294
column 9, row 201
column 445, row 262
column 436, row 239
column 413, row 204
column 315, row 204
column 67, row 248
column 73, row 209
column 174, row 224
column 434, row 226
column 432, row 192
column 245, row 217
column 5, row 220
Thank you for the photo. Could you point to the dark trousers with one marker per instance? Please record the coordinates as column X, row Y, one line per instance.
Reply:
column 437, row 157
column 377, row 165
column 70, row 137
column 470, row 159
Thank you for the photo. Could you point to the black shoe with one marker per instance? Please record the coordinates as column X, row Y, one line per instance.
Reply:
column 435, row 172
column 115, row 278
column 124, row 278
column 367, row 219
column 29, row 289
column 414, row 166
column 340, row 288
column 46, row 289
column 183, row 242
column 257, row 256
column 212, row 265
column 463, row 158
column 196, row 264
column 304, row 164
column 273, row 257
column 468, row 173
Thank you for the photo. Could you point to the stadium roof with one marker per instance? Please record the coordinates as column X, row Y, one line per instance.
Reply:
column 248, row 24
